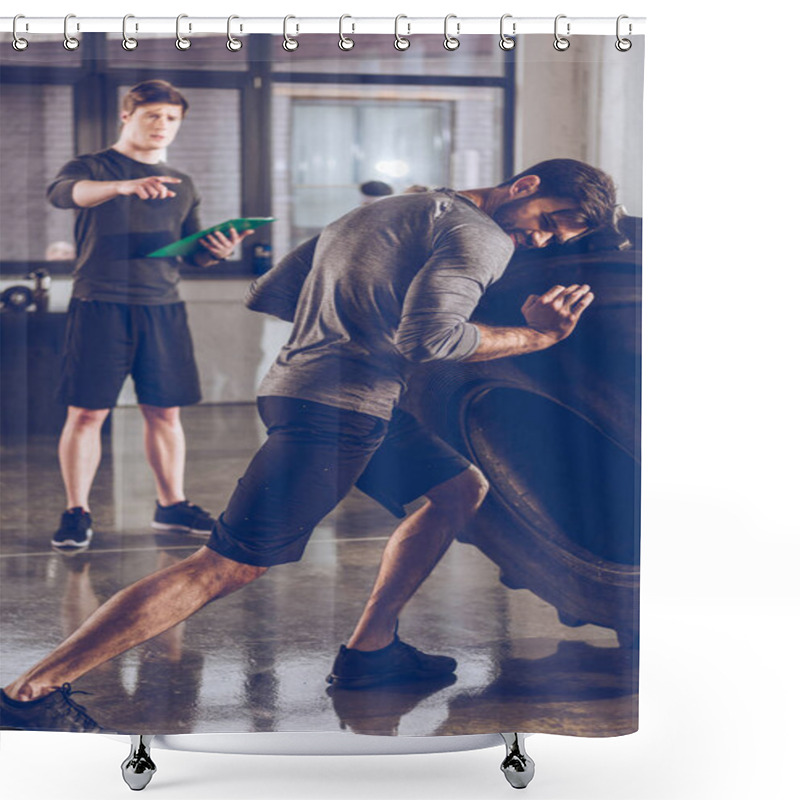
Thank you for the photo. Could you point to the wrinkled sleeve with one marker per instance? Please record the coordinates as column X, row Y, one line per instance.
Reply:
column 191, row 224
column 277, row 291
column 434, row 324
column 59, row 192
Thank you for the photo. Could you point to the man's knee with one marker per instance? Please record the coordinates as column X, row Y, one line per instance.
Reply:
column 86, row 418
column 462, row 494
column 161, row 416
column 222, row 575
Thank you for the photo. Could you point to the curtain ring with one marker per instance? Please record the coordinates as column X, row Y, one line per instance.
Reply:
column 400, row 42
column 17, row 42
column 623, row 45
column 289, row 44
column 233, row 44
column 451, row 42
column 181, row 42
column 561, row 43
column 70, row 42
column 506, row 42
column 128, row 42
column 344, row 42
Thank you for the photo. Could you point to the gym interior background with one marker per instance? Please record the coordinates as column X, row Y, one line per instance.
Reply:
column 425, row 116
column 254, row 144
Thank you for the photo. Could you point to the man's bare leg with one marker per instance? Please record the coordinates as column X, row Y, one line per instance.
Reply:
column 165, row 447
column 79, row 451
column 413, row 550
column 134, row 615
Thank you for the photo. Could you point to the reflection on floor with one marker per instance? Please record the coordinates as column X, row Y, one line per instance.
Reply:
column 257, row 660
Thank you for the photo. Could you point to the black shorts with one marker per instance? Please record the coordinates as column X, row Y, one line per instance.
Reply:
column 313, row 456
column 106, row 342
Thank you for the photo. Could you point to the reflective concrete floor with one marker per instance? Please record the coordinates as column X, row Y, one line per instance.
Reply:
column 257, row 660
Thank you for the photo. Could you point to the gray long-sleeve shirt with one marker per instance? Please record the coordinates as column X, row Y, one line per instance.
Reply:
column 387, row 286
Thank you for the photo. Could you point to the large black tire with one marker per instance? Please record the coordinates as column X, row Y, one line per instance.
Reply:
column 557, row 435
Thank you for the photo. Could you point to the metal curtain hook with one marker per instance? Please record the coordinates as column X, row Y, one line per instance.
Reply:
column 128, row 42
column 506, row 42
column 17, row 42
column 400, row 42
column 623, row 45
column 181, row 42
column 70, row 42
column 560, row 43
column 451, row 42
column 233, row 44
column 344, row 42
column 289, row 44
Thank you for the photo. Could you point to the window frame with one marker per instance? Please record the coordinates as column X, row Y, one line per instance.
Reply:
column 94, row 86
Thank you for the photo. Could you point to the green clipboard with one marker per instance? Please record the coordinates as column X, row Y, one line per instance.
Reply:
column 191, row 244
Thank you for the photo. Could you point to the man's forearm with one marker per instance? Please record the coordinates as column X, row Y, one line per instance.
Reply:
column 88, row 194
column 505, row 342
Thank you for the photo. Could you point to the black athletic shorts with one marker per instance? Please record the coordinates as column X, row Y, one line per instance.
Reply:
column 313, row 456
column 106, row 342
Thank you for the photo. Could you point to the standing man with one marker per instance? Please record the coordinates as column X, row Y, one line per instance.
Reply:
column 126, row 316
column 366, row 310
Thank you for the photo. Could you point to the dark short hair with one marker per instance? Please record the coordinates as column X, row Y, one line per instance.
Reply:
column 376, row 189
column 590, row 188
column 154, row 91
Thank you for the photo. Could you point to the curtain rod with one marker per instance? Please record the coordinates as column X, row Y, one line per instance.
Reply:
column 406, row 26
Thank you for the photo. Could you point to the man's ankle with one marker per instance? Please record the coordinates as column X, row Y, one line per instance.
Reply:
column 370, row 644
column 171, row 502
column 20, row 692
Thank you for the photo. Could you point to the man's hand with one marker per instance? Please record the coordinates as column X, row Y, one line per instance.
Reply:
column 556, row 313
column 219, row 246
column 88, row 194
column 551, row 318
column 152, row 188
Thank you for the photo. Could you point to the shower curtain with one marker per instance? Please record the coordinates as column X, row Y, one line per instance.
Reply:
column 536, row 599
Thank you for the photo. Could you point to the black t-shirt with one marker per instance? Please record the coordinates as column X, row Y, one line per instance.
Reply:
column 114, row 238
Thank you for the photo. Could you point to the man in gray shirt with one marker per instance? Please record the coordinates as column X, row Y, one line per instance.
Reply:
column 388, row 286
column 384, row 288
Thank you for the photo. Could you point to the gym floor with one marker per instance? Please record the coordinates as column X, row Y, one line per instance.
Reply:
column 257, row 660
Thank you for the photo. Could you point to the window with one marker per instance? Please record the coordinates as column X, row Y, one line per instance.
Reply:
column 269, row 133
column 337, row 146
column 374, row 54
column 328, row 139
column 36, row 140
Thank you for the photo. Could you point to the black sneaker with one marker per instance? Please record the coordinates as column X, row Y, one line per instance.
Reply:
column 75, row 530
column 397, row 663
column 56, row 711
column 183, row 516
